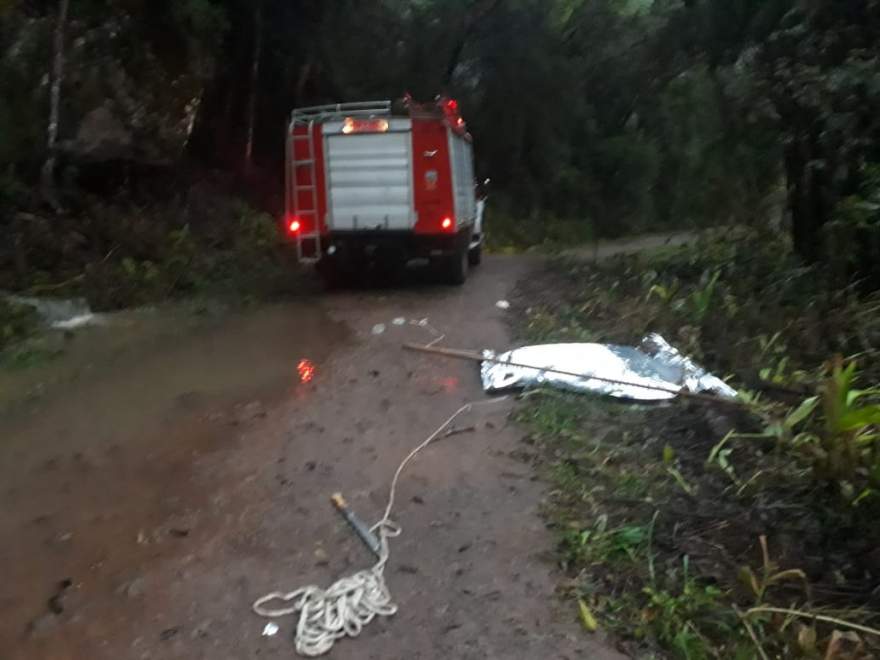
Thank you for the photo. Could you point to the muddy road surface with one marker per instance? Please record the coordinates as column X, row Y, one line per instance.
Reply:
column 167, row 472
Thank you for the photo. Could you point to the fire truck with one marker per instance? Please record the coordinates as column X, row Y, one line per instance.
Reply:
column 381, row 184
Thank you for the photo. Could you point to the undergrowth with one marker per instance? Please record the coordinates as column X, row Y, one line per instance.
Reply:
column 121, row 253
column 201, row 242
column 701, row 532
column 17, row 322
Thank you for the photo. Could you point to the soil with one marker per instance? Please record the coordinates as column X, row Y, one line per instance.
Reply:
column 153, row 488
column 610, row 248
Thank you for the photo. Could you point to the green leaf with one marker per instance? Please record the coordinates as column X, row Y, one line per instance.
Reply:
column 587, row 619
column 802, row 412
column 724, row 459
column 775, row 430
column 853, row 420
column 633, row 535
column 853, row 395
column 844, row 378
column 747, row 576
column 680, row 480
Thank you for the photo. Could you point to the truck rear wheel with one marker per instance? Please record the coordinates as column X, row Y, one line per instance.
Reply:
column 457, row 267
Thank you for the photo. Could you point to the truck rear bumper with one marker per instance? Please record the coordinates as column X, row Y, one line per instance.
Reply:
column 374, row 246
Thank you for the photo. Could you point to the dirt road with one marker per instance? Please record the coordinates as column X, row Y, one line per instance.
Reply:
column 610, row 248
column 161, row 485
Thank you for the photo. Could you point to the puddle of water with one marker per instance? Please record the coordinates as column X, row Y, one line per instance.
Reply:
column 107, row 455
column 138, row 369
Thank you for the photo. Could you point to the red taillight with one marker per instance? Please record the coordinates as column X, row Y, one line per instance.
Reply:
column 294, row 226
column 446, row 223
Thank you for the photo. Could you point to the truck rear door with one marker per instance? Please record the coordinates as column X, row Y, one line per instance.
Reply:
column 368, row 166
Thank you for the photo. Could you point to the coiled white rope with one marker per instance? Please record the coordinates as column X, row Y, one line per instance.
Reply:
column 350, row 603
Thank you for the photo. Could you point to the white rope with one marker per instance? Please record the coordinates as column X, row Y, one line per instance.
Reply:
column 350, row 603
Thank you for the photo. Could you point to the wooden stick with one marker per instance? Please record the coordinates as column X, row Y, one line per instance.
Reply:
column 817, row 617
column 473, row 356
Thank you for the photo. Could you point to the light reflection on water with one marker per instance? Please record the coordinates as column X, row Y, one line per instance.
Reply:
column 306, row 370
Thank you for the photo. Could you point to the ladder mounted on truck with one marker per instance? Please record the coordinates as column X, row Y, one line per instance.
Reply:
column 309, row 211
column 301, row 188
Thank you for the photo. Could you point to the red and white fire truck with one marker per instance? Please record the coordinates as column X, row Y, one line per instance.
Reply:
column 374, row 183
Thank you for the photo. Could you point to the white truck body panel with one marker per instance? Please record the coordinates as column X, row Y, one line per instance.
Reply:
column 477, row 239
column 463, row 192
column 369, row 178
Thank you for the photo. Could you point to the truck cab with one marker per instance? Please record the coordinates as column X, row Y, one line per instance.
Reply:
column 368, row 186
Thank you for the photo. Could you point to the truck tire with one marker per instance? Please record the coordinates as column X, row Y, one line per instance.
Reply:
column 457, row 267
column 475, row 255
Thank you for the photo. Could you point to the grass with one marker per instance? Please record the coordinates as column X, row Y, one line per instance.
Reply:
column 19, row 325
column 30, row 352
column 666, row 516
column 17, row 321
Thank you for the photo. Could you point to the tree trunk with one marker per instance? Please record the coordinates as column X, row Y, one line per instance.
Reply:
column 477, row 12
column 19, row 256
column 454, row 58
column 255, row 76
column 57, row 75
column 305, row 72
column 806, row 198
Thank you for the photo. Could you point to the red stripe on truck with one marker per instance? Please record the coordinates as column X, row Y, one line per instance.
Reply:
column 432, row 177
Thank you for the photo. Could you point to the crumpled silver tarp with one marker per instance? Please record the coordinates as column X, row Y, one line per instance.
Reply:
column 654, row 363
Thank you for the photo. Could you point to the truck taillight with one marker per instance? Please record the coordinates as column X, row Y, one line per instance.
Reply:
column 446, row 223
column 294, row 226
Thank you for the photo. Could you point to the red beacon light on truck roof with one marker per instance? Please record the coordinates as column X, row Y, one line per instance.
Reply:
column 450, row 111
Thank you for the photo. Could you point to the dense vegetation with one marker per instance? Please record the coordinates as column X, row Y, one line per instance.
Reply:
column 683, row 527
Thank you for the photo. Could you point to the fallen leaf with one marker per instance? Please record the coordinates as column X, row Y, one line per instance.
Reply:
column 807, row 639
column 587, row 618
